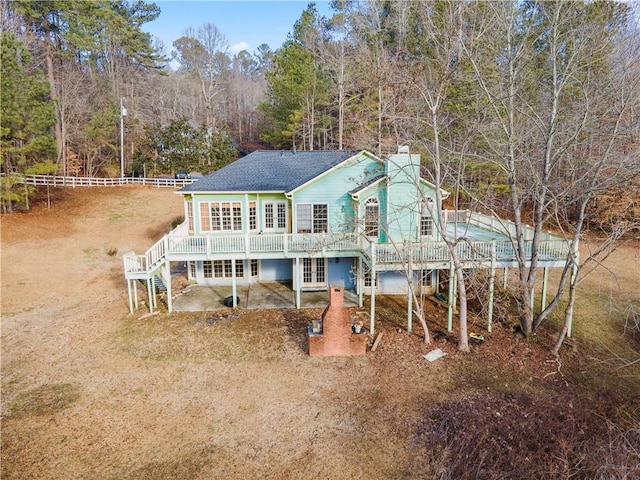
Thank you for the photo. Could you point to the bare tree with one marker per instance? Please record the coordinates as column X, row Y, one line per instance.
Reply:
column 202, row 52
column 435, row 42
column 607, row 159
column 542, row 90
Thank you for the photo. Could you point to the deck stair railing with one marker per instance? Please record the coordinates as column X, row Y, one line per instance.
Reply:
column 144, row 266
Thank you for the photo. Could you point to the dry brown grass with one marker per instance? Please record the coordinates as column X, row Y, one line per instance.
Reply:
column 90, row 391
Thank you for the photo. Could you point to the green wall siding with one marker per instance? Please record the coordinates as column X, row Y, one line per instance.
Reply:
column 334, row 187
column 402, row 197
column 399, row 198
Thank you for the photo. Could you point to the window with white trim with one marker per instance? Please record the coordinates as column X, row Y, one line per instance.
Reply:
column 367, row 277
column 253, row 216
column 371, row 217
column 221, row 216
column 425, row 278
column 426, row 218
column 222, row 268
column 312, row 217
column 207, row 269
column 275, row 216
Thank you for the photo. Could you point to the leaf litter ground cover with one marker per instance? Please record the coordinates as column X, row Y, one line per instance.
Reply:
column 88, row 390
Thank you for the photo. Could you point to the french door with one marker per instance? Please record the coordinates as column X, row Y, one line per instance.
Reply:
column 314, row 273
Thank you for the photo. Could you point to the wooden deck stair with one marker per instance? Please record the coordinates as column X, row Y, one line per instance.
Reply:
column 158, row 283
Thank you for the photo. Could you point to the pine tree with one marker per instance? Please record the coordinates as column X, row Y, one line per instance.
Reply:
column 298, row 88
column 27, row 118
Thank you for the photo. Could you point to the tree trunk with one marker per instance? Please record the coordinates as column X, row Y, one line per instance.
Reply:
column 463, row 337
column 57, row 129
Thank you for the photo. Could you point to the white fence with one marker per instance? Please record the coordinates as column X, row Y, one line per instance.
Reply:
column 60, row 181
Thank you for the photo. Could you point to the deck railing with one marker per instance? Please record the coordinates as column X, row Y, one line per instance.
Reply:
column 208, row 246
column 204, row 247
column 135, row 264
column 495, row 224
column 467, row 252
column 251, row 244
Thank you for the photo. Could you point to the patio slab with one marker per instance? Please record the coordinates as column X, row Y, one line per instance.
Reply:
column 199, row 298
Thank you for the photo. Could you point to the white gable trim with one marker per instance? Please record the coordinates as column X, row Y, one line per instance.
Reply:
column 356, row 195
column 332, row 169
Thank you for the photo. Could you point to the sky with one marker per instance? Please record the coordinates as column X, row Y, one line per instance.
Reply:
column 245, row 24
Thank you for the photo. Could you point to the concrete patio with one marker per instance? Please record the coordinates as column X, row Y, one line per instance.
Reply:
column 199, row 298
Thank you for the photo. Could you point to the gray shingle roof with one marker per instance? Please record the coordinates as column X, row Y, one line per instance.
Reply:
column 270, row 170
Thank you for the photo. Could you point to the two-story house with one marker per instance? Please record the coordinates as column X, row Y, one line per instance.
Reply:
column 313, row 218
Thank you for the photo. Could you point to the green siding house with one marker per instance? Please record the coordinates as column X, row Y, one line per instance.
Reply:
column 312, row 218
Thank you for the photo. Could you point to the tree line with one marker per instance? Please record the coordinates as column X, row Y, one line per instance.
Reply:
column 72, row 71
column 361, row 79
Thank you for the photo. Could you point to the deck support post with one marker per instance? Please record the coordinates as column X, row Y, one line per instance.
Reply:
column 135, row 293
column 234, row 286
column 168, row 280
column 545, row 279
column 410, row 287
column 372, row 312
column 409, row 311
column 505, row 278
column 296, row 281
column 130, row 299
column 360, row 283
column 156, row 291
column 151, row 293
column 492, row 281
column 455, row 290
column 452, row 274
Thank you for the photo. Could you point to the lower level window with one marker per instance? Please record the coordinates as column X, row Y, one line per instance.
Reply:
column 368, row 277
column 222, row 268
column 425, row 278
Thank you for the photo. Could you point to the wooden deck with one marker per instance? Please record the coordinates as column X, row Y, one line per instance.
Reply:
column 484, row 241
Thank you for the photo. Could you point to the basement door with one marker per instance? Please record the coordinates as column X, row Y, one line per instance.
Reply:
column 314, row 273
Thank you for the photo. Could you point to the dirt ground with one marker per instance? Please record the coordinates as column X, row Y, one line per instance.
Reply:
column 89, row 391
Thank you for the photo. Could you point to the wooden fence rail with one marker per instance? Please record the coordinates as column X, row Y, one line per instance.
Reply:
column 61, row 181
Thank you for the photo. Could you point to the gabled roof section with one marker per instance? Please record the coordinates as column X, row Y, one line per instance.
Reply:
column 445, row 193
column 329, row 170
column 270, row 171
column 356, row 192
